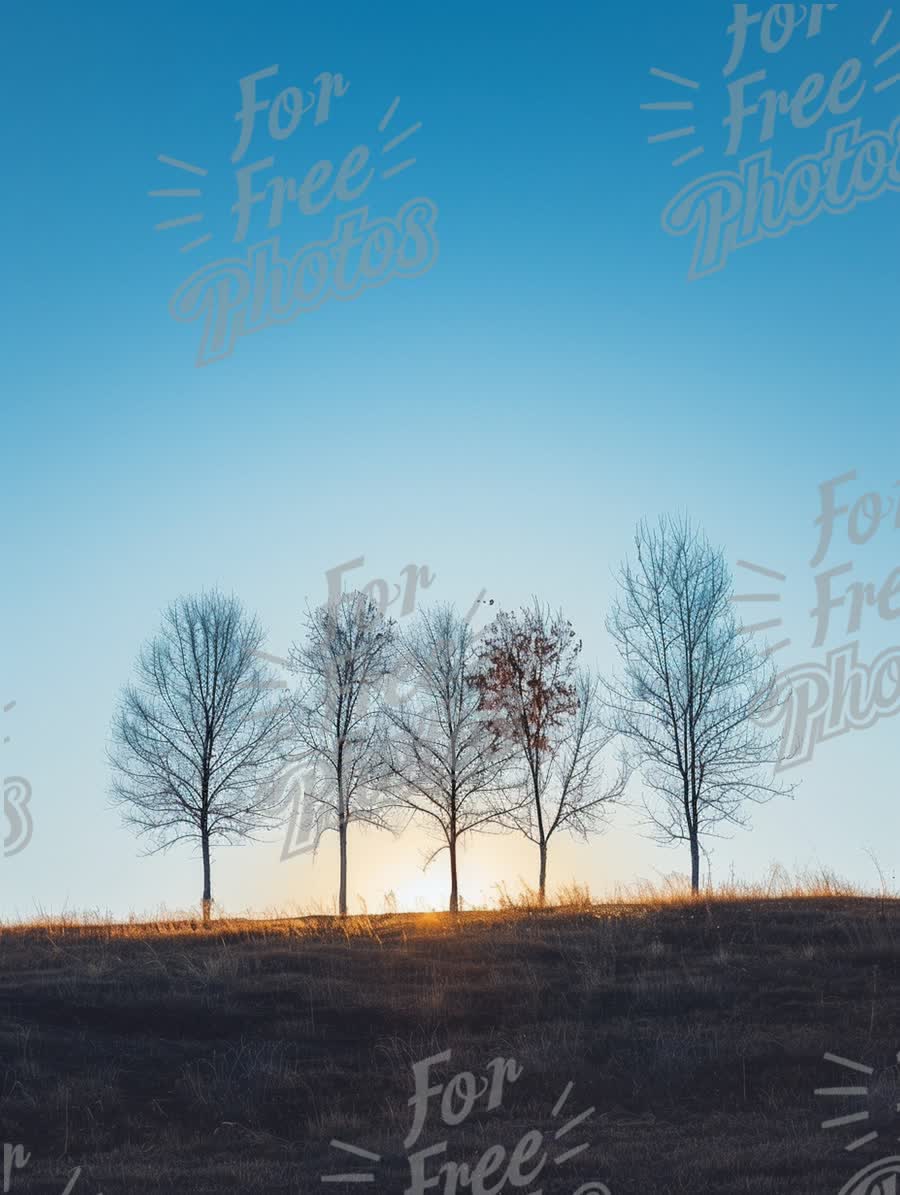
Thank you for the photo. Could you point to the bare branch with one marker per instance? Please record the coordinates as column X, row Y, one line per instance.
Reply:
column 692, row 689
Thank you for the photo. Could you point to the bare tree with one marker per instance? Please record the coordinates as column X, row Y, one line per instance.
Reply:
column 198, row 735
column 537, row 698
column 694, row 684
column 446, row 764
column 343, row 664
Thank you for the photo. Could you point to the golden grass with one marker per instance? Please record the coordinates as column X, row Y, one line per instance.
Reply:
column 640, row 896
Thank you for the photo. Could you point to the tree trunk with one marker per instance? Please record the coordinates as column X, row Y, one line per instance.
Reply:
column 542, row 885
column 454, row 879
column 695, row 863
column 342, row 894
column 207, row 881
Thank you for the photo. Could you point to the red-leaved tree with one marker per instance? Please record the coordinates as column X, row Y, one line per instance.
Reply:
column 533, row 693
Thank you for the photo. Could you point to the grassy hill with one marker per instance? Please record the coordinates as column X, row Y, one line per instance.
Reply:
column 169, row 1057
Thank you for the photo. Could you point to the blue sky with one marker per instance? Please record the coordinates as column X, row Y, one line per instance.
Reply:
column 504, row 418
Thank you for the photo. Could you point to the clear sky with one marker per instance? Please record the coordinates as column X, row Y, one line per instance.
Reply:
column 545, row 376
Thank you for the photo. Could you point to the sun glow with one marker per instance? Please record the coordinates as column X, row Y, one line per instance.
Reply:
column 429, row 891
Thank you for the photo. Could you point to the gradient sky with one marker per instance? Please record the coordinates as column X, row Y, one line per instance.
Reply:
column 505, row 418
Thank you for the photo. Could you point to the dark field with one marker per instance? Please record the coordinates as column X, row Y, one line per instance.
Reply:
column 170, row 1058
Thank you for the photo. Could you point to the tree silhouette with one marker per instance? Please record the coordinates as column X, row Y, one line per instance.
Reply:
column 198, row 736
column 447, row 766
column 343, row 664
column 536, row 697
column 694, row 685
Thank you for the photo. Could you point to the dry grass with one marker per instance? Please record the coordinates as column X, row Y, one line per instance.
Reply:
column 668, row 890
column 166, row 1056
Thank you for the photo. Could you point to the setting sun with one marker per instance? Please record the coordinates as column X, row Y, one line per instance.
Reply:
column 427, row 891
